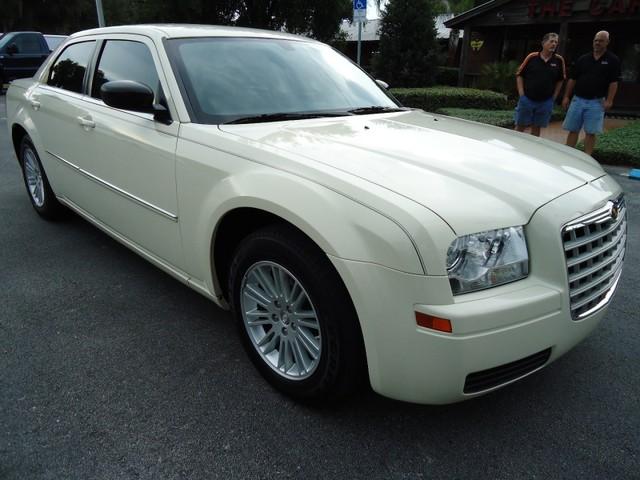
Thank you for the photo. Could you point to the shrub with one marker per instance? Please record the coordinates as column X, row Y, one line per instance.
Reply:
column 431, row 99
column 447, row 76
column 499, row 77
column 620, row 146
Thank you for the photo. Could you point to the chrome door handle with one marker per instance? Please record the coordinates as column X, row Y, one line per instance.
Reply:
column 86, row 123
column 35, row 104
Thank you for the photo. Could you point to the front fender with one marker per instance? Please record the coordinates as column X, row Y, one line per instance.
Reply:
column 340, row 226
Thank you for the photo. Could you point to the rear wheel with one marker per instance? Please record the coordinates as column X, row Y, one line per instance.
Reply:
column 40, row 193
column 294, row 314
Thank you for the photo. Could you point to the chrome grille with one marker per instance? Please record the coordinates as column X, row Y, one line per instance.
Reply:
column 594, row 247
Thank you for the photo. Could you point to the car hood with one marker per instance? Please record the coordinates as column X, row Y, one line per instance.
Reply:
column 474, row 176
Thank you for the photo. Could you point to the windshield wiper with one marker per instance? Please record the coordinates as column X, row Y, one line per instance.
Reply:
column 377, row 109
column 280, row 116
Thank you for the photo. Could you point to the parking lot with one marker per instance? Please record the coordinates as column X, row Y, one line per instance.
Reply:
column 110, row 369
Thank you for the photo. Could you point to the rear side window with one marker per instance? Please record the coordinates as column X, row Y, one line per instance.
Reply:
column 69, row 69
column 125, row 60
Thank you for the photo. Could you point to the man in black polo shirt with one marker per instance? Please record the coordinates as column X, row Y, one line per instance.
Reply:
column 594, row 80
column 539, row 80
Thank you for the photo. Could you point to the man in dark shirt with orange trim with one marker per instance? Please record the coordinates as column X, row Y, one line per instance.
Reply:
column 594, row 78
column 539, row 80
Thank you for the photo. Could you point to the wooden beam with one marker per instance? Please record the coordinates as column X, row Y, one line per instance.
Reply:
column 464, row 57
column 563, row 38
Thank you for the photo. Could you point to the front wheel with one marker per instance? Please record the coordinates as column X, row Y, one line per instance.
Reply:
column 294, row 314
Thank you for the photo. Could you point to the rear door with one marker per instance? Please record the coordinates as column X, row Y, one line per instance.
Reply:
column 56, row 109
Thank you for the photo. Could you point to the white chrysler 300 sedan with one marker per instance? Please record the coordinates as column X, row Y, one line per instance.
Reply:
column 351, row 237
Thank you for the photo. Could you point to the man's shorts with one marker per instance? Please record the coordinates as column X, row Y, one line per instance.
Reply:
column 530, row 112
column 585, row 113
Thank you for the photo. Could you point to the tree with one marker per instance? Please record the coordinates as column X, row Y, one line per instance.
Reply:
column 48, row 16
column 319, row 19
column 213, row 12
column 409, row 51
column 453, row 6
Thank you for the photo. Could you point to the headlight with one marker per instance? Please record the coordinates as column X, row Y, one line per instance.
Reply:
column 486, row 259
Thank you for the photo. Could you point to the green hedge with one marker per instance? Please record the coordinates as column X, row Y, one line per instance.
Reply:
column 500, row 118
column 434, row 98
column 620, row 146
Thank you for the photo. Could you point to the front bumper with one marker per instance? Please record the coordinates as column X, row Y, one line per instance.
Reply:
column 491, row 328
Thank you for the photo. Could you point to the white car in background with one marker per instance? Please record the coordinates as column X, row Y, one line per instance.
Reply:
column 351, row 237
column 53, row 41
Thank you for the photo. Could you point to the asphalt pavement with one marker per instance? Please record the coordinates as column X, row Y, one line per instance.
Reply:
column 110, row 369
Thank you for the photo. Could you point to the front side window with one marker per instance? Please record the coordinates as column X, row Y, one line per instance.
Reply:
column 125, row 60
column 28, row 43
column 227, row 79
column 69, row 69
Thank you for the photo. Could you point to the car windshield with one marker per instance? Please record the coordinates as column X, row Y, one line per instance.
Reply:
column 250, row 80
column 5, row 39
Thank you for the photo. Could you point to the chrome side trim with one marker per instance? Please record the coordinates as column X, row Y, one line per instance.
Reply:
column 113, row 188
column 154, row 259
column 175, row 272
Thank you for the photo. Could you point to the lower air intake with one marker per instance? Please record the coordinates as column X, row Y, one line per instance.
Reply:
column 493, row 377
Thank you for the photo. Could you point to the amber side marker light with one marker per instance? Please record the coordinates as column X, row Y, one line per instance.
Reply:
column 433, row 323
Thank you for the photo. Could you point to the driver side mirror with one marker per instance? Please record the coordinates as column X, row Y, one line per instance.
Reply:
column 383, row 84
column 135, row 96
column 12, row 49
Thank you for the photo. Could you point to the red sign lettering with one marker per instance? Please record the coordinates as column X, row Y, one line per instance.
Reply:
column 597, row 8
column 616, row 7
column 566, row 8
column 548, row 9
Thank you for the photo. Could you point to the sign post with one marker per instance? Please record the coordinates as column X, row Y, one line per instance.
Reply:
column 100, row 13
column 360, row 16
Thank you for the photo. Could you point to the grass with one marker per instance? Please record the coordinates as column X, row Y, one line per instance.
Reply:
column 499, row 118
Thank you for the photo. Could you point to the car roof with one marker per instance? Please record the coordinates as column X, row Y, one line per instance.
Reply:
column 160, row 31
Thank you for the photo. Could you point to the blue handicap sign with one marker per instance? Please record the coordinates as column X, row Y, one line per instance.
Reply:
column 359, row 10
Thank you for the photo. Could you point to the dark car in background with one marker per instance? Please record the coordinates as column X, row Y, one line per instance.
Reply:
column 22, row 53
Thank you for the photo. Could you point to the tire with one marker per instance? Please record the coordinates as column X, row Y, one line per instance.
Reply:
column 35, row 179
column 295, row 317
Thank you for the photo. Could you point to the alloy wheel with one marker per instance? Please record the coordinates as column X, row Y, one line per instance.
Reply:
column 281, row 320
